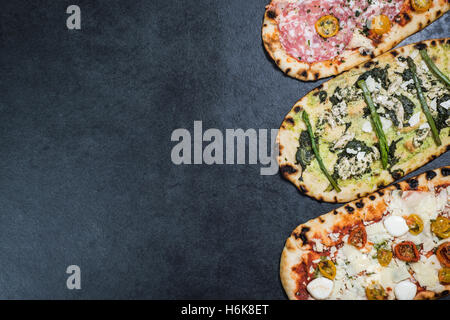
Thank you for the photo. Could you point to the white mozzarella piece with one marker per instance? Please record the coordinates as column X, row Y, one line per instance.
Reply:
column 320, row 288
column 405, row 290
column 396, row 225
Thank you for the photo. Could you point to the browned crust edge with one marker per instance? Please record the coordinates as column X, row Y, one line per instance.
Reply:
column 349, row 214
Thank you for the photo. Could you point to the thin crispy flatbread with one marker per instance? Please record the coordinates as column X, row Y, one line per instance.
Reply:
column 405, row 24
column 299, row 249
column 311, row 181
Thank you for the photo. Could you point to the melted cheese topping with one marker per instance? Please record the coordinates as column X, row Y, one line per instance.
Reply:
column 358, row 268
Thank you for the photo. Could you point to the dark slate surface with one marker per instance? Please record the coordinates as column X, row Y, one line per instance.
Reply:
column 86, row 175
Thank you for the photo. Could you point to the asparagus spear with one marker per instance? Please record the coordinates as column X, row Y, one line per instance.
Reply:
column 384, row 149
column 432, row 66
column 423, row 103
column 316, row 152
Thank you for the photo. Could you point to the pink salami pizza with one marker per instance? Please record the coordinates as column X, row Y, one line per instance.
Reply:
column 312, row 39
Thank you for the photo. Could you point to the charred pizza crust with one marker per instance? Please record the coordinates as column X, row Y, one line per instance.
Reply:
column 404, row 25
column 314, row 184
column 370, row 208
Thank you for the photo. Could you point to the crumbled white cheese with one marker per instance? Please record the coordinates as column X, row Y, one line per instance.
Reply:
column 360, row 155
column 342, row 141
column 414, row 54
column 367, row 127
column 339, row 111
column 385, row 123
column 334, row 236
column 424, row 66
column 433, row 105
column 405, row 84
column 414, row 120
column 318, row 246
column 333, row 250
column 372, row 85
column 445, row 104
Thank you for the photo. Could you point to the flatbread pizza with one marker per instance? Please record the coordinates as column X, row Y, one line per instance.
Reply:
column 371, row 125
column 313, row 39
column 393, row 244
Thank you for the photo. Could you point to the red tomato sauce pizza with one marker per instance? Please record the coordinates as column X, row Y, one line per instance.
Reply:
column 393, row 244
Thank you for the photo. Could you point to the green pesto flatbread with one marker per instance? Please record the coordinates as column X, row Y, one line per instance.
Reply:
column 344, row 129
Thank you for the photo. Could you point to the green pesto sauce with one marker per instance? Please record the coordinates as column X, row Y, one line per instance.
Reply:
column 356, row 122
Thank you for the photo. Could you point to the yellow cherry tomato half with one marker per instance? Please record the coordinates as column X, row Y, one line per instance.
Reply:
column 384, row 257
column 415, row 224
column 327, row 26
column 421, row 5
column 375, row 292
column 381, row 24
column 327, row 269
column 441, row 227
column 444, row 275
